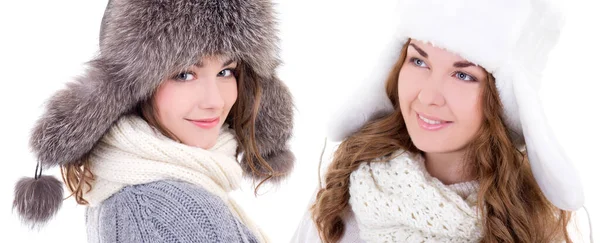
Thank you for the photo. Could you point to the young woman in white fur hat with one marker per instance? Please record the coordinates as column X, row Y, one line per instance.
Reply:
column 447, row 142
column 149, row 137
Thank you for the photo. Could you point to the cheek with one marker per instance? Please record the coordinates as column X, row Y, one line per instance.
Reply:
column 229, row 93
column 408, row 87
column 164, row 97
column 465, row 103
column 170, row 100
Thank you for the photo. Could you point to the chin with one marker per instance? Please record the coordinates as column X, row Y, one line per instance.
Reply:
column 205, row 144
column 429, row 145
column 203, row 140
column 428, row 148
column 437, row 147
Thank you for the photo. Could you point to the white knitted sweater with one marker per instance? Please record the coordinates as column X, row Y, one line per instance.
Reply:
column 398, row 201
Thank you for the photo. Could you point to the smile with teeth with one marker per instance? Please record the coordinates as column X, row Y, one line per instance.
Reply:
column 429, row 121
column 432, row 122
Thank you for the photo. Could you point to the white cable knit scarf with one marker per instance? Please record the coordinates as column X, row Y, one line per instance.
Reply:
column 398, row 201
column 133, row 152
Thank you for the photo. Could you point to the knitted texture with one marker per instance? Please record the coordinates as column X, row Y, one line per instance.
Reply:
column 134, row 153
column 398, row 201
column 164, row 211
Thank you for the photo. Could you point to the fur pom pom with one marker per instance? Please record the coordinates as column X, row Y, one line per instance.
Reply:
column 37, row 200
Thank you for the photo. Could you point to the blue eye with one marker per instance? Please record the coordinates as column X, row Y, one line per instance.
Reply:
column 418, row 62
column 464, row 77
column 185, row 76
column 225, row 73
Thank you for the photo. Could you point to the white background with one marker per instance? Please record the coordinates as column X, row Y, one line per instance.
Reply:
column 44, row 44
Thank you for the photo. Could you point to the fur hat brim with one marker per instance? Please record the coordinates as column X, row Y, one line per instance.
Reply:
column 141, row 43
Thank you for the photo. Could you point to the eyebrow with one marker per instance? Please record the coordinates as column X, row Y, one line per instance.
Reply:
column 463, row 64
column 229, row 61
column 419, row 50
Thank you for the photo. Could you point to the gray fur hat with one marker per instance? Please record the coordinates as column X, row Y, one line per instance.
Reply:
column 141, row 43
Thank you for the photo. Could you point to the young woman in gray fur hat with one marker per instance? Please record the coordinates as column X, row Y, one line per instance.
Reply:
column 148, row 138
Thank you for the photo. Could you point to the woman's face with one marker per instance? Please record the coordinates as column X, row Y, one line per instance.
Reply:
column 194, row 104
column 440, row 98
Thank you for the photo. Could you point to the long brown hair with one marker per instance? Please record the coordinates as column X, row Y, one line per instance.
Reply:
column 512, row 206
column 242, row 118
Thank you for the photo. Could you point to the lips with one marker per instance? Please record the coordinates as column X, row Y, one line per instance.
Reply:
column 206, row 123
column 431, row 123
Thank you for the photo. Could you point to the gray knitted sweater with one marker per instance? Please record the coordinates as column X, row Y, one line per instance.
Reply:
column 164, row 211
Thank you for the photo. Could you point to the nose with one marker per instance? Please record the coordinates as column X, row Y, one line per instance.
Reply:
column 431, row 92
column 209, row 94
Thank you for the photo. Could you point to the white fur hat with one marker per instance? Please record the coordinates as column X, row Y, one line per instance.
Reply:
column 511, row 39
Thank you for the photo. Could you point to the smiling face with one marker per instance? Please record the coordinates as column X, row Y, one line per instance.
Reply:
column 440, row 98
column 194, row 104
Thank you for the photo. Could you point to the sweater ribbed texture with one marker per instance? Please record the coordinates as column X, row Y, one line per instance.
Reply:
column 164, row 211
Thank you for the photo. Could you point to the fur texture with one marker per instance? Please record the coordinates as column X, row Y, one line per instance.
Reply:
column 142, row 42
column 37, row 200
column 273, row 129
column 510, row 39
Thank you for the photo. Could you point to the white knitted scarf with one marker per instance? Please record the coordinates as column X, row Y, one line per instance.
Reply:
column 133, row 152
column 398, row 201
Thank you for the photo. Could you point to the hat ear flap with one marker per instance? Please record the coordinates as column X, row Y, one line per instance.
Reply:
column 78, row 116
column 369, row 101
column 75, row 119
column 273, row 129
column 552, row 169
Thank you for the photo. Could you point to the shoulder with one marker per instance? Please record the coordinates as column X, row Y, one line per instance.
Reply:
column 168, row 211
